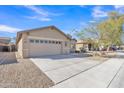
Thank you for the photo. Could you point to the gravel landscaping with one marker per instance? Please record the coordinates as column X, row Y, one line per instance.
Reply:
column 23, row 74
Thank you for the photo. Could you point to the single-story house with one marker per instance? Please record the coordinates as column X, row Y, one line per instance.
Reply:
column 6, row 45
column 83, row 45
column 42, row 41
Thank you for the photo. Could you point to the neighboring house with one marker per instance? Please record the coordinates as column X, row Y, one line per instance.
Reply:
column 6, row 45
column 42, row 41
column 83, row 45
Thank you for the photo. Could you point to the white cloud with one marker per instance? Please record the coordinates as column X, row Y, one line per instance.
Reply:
column 45, row 19
column 98, row 12
column 82, row 6
column 83, row 24
column 37, row 10
column 119, row 8
column 5, row 28
column 39, row 18
column 92, row 21
column 41, row 14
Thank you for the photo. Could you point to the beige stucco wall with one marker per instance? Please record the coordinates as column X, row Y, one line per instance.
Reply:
column 78, row 46
column 22, row 46
column 25, row 46
column 29, row 50
column 48, row 33
column 81, row 45
column 19, row 47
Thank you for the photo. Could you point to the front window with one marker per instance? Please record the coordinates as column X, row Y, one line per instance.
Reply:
column 49, row 41
column 53, row 42
column 41, row 41
column 45, row 41
column 56, row 42
column 31, row 41
column 59, row 42
column 36, row 41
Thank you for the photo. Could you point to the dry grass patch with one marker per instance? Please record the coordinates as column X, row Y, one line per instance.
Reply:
column 23, row 75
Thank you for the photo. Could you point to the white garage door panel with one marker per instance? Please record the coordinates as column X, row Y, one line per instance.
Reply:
column 37, row 50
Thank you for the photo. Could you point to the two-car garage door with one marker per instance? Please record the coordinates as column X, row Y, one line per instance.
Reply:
column 39, row 48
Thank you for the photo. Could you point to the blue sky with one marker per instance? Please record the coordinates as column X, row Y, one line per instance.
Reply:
column 66, row 18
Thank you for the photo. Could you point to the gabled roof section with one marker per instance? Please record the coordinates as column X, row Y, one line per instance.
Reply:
column 19, row 34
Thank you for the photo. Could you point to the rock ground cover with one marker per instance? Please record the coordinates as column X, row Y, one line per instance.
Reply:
column 23, row 74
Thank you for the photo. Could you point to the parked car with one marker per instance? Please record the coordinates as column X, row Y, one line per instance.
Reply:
column 77, row 51
column 110, row 49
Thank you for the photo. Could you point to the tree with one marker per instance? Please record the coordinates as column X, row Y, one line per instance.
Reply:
column 69, row 35
column 105, row 33
column 91, row 34
column 111, row 29
column 108, row 32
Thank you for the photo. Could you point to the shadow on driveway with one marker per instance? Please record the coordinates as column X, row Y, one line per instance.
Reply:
column 56, row 57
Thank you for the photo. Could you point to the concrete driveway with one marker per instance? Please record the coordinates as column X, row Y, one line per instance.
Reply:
column 68, row 71
column 63, row 67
